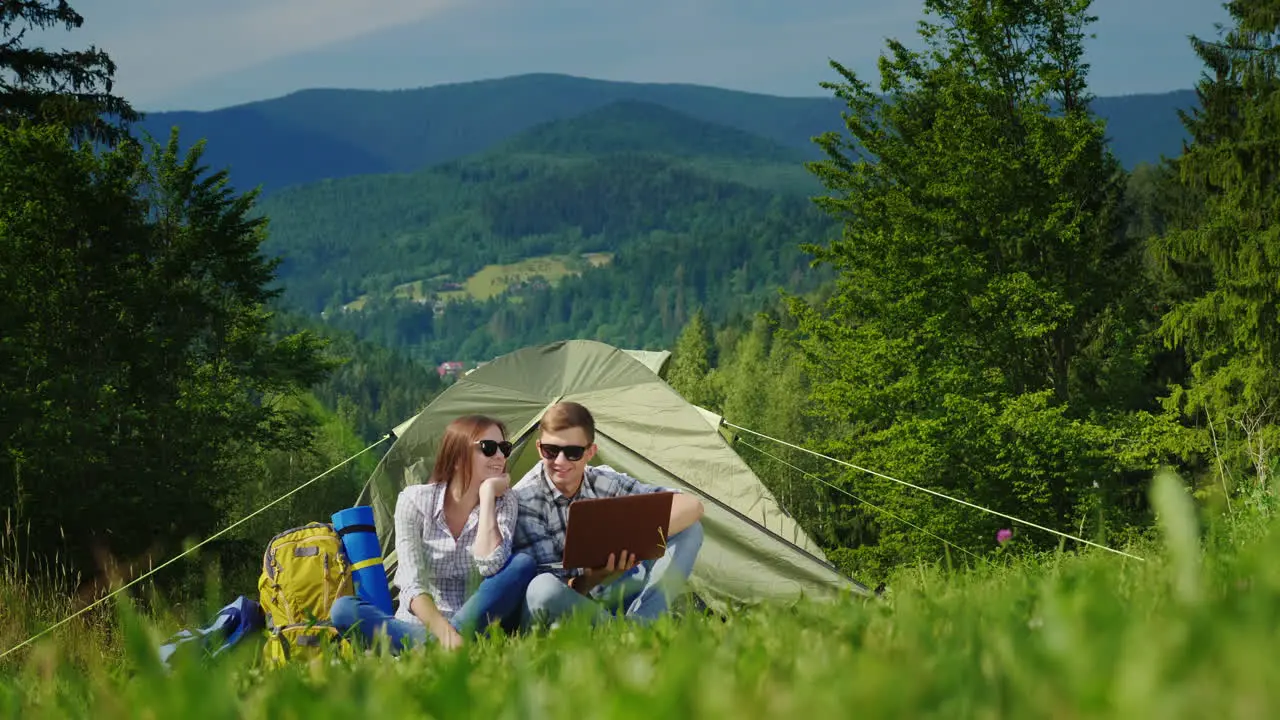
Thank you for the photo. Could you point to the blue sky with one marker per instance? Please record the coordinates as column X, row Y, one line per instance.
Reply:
column 184, row 54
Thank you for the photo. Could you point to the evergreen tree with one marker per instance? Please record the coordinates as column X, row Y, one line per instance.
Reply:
column 137, row 375
column 1230, row 256
column 980, row 338
column 691, row 362
column 67, row 87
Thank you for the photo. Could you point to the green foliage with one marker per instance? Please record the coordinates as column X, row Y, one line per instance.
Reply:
column 135, row 368
column 373, row 388
column 690, row 362
column 751, row 373
column 1227, row 320
column 67, row 87
column 986, row 332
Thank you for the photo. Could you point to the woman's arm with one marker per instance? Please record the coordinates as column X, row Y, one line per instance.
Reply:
column 424, row 608
column 493, row 542
column 488, row 537
column 413, row 568
column 496, row 531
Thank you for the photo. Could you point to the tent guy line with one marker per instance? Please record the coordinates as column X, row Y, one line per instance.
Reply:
column 837, row 488
column 934, row 492
column 184, row 553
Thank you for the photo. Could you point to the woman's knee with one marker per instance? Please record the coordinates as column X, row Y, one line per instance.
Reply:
column 345, row 611
column 524, row 566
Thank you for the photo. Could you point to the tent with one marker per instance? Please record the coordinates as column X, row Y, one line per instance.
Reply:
column 752, row 551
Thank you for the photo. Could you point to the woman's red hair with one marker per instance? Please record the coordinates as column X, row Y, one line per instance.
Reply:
column 456, row 446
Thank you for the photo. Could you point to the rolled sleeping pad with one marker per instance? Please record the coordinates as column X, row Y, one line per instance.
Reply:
column 360, row 539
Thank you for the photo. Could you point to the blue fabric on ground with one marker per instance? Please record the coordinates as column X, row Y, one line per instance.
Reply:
column 229, row 626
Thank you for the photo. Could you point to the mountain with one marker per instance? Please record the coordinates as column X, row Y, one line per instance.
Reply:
column 638, row 126
column 563, row 231
column 317, row 134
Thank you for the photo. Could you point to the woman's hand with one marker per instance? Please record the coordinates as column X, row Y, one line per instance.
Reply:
column 495, row 486
column 449, row 638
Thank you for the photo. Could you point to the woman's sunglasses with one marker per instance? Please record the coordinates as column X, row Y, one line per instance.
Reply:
column 489, row 447
column 572, row 453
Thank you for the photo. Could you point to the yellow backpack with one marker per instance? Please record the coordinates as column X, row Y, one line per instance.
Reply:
column 304, row 570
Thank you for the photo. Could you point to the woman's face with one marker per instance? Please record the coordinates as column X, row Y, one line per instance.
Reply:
column 486, row 467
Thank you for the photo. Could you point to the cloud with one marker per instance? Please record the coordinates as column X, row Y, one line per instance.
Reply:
column 160, row 45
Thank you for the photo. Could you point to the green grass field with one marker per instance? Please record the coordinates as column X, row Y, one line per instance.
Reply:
column 1189, row 633
column 492, row 280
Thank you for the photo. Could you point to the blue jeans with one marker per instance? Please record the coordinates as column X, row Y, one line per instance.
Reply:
column 643, row 594
column 497, row 599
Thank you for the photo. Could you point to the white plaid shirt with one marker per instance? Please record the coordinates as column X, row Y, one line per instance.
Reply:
column 544, row 511
column 430, row 561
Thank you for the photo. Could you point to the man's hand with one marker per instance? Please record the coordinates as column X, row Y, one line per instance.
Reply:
column 607, row 574
column 495, row 486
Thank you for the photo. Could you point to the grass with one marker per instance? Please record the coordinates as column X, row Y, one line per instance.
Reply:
column 493, row 280
column 1188, row 633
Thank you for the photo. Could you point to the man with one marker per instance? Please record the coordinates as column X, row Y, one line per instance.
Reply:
column 566, row 445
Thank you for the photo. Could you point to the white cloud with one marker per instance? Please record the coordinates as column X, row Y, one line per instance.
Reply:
column 161, row 45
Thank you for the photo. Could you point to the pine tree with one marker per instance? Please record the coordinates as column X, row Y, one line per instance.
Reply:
column 1230, row 328
column 985, row 278
column 138, row 375
column 68, row 87
column 691, row 362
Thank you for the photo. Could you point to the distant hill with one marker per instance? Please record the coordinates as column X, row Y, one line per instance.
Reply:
column 316, row 134
column 645, row 127
column 346, row 238
column 627, row 243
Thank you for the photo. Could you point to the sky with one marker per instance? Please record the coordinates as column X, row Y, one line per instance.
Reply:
column 200, row 55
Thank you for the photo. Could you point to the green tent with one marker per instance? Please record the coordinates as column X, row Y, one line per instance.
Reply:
column 753, row 551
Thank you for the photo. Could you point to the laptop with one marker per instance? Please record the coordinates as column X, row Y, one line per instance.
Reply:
column 600, row 526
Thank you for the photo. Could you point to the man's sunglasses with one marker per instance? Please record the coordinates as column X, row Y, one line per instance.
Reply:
column 489, row 447
column 572, row 453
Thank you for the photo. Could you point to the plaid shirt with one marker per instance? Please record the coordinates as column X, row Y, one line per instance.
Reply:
column 544, row 511
column 428, row 558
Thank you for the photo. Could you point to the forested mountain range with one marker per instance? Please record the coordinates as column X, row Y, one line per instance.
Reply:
column 675, row 213
column 312, row 135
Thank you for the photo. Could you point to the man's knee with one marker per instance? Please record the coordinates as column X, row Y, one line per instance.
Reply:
column 691, row 537
column 543, row 591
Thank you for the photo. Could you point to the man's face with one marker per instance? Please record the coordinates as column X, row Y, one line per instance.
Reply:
column 558, row 450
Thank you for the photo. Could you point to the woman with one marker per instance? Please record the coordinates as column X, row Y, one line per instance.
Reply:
column 456, row 525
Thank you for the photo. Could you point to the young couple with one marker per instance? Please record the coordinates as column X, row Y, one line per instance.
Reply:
column 467, row 517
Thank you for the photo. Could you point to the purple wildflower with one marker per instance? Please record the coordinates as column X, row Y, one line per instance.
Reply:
column 1004, row 535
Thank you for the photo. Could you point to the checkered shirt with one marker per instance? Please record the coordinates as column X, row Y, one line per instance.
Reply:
column 430, row 561
column 544, row 511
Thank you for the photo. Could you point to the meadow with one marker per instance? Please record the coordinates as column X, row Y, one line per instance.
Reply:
column 495, row 279
column 1187, row 632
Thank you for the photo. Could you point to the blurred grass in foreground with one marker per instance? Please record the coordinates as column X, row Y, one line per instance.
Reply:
column 1189, row 633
